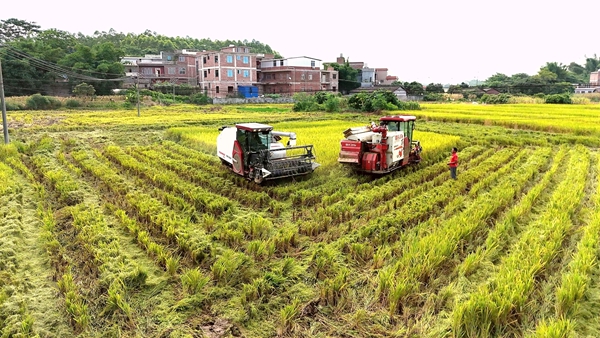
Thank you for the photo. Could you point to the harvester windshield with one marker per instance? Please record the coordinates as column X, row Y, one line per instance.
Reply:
column 253, row 141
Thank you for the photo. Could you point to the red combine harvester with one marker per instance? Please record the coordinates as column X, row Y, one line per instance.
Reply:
column 380, row 149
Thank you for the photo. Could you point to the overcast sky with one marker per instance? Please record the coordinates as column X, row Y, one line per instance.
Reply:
column 425, row 41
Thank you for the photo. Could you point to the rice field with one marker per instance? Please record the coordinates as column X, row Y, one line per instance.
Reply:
column 115, row 225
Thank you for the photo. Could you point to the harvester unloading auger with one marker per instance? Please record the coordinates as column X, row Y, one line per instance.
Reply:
column 253, row 150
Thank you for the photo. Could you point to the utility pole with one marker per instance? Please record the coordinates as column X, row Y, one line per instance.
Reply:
column 3, row 103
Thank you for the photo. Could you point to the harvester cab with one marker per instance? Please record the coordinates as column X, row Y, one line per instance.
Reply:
column 254, row 151
column 383, row 148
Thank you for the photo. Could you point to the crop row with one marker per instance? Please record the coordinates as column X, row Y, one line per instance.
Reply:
column 12, row 321
column 147, row 209
column 418, row 204
column 400, row 189
column 498, row 237
column 202, row 178
column 420, row 260
column 349, row 209
column 577, row 279
column 398, row 237
column 492, row 308
column 202, row 199
column 117, row 271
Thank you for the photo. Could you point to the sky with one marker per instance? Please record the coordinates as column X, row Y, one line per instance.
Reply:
column 431, row 41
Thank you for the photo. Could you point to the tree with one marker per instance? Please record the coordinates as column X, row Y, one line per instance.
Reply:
column 84, row 90
column 413, row 88
column 346, row 76
column 434, row 88
column 455, row 89
column 12, row 29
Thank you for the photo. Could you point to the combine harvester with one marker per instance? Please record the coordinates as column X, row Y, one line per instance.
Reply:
column 253, row 150
column 381, row 149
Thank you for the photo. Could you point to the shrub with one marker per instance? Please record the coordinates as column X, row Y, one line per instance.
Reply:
column 559, row 99
column 433, row 97
column 321, row 97
column 12, row 106
column 39, row 102
column 375, row 101
column 304, row 102
column 495, row 99
column 200, row 99
column 72, row 103
column 332, row 104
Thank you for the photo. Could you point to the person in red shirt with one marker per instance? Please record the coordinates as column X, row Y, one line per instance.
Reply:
column 453, row 163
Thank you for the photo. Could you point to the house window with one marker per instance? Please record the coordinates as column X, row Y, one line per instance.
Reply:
column 146, row 71
column 238, row 57
column 281, row 62
column 238, row 71
column 171, row 70
column 204, row 59
column 302, row 77
column 312, row 63
column 245, row 50
column 274, row 63
column 229, row 72
column 216, row 59
column 230, row 58
column 182, row 70
column 246, row 73
column 182, row 59
column 309, row 77
column 169, row 58
column 205, row 75
column 217, row 89
column 216, row 73
column 334, row 76
column 246, row 59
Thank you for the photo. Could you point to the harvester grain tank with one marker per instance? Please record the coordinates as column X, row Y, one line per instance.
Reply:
column 383, row 148
column 254, row 151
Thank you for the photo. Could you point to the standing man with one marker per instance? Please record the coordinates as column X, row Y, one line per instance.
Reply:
column 453, row 163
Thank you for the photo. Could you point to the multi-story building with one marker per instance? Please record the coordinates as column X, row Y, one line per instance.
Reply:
column 369, row 77
column 227, row 72
column 595, row 78
column 231, row 71
column 296, row 74
column 175, row 67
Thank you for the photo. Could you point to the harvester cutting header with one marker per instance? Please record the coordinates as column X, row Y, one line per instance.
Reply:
column 253, row 151
column 383, row 148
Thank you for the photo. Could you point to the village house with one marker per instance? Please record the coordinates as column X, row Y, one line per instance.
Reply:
column 296, row 74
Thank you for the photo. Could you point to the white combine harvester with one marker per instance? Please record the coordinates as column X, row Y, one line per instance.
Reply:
column 253, row 150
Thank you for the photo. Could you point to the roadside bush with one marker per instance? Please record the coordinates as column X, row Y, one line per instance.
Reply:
column 332, row 104
column 200, row 99
column 305, row 102
column 376, row 101
column 495, row 99
column 72, row 103
column 559, row 99
column 321, row 97
column 39, row 102
column 13, row 106
column 434, row 97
